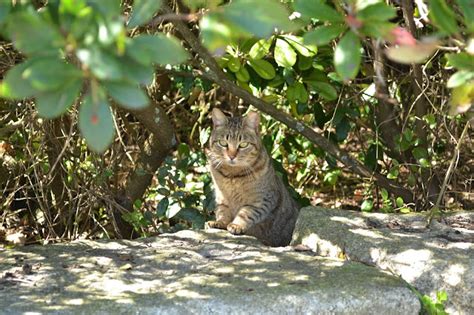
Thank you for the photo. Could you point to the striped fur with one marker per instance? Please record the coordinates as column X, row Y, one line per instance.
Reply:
column 251, row 199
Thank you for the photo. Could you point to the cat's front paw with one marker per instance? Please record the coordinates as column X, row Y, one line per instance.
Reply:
column 235, row 229
column 216, row 225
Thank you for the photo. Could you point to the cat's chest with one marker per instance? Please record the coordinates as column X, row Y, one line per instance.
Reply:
column 239, row 190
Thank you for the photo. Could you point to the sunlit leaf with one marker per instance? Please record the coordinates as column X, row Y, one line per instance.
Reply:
column 460, row 78
column 263, row 68
column 367, row 205
column 285, row 55
column 234, row 64
column 103, row 64
column 216, row 34
column 323, row 35
column 259, row 18
column 96, row 121
column 443, row 16
column 143, row 11
column 462, row 61
column 53, row 104
column 128, row 95
column 304, row 49
column 261, row 48
column 462, row 98
column 47, row 74
column 317, row 9
column 347, row 56
column 14, row 86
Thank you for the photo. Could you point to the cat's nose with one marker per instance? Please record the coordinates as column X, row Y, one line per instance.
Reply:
column 232, row 154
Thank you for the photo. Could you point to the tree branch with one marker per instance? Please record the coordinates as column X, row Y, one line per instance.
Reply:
column 219, row 77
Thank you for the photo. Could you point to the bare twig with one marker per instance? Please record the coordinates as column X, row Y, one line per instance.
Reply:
column 447, row 177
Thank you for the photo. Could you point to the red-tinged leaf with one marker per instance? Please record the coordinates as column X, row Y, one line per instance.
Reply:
column 401, row 36
column 411, row 54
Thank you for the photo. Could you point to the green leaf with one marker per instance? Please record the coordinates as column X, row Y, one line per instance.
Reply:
column 5, row 8
column 108, row 8
column 33, row 35
column 377, row 12
column 305, row 63
column 284, row 54
column 394, row 172
column 216, row 33
column 162, row 207
column 233, row 64
column 342, row 129
column 405, row 210
column 384, row 194
column 48, row 74
column 143, row 11
column 443, row 17
column 207, row 4
column 317, row 9
column 399, row 201
column 128, row 95
column 460, row 78
column 104, row 65
column 158, row 48
column 263, row 68
column 53, row 104
column 441, row 296
column 323, row 35
column 467, row 10
column 14, row 86
column 96, row 121
column 326, row 90
column 259, row 18
column 347, row 56
column 462, row 61
column 137, row 72
column 306, row 50
column 462, row 98
column 367, row 205
column 261, row 48
column 243, row 74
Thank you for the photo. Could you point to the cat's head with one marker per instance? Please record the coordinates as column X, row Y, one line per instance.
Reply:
column 234, row 141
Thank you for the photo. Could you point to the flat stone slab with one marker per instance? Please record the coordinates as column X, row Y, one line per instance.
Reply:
column 440, row 257
column 200, row 272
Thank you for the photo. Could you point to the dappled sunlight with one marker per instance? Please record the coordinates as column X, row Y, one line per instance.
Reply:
column 453, row 275
column 368, row 233
column 174, row 271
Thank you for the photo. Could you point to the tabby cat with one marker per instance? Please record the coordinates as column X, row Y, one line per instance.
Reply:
column 250, row 197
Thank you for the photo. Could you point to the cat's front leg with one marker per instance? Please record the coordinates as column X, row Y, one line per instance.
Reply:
column 247, row 217
column 223, row 217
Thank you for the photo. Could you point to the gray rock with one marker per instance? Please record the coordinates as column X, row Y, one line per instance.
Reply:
column 202, row 272
column 431, row 259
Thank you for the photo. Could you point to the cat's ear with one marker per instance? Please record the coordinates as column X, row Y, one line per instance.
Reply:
column 253, row 121
column 218, row 117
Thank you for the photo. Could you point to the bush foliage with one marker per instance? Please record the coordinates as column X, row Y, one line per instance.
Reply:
column 104, row 111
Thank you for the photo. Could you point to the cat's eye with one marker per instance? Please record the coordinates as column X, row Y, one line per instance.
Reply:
column 243, row 145
column 222, row 143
